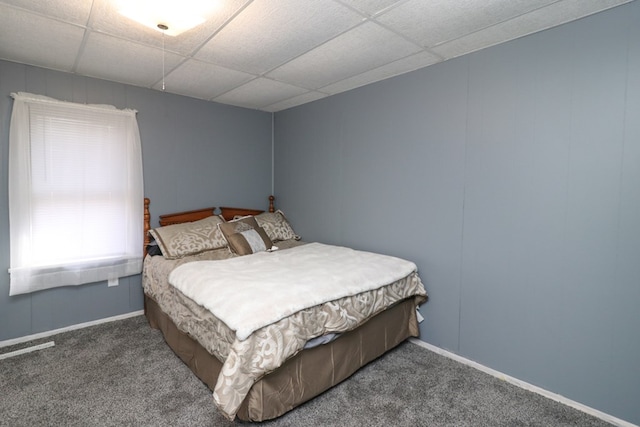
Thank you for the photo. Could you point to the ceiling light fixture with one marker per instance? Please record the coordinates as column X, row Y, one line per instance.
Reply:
column 177, row 15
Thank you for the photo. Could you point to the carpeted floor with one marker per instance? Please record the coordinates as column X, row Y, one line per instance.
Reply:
column 123, row 374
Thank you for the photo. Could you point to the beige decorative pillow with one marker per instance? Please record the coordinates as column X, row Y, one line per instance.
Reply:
column 189, row 238
column 245, row 236
column 276, row 226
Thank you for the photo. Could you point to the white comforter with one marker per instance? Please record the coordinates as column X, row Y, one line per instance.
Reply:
column 273, row 285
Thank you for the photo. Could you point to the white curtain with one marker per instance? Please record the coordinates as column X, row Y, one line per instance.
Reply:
column 75, row 193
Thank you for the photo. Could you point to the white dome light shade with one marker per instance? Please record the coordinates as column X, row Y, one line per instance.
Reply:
column 178, row 15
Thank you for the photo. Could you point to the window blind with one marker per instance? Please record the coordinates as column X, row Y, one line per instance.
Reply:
column 75, row 193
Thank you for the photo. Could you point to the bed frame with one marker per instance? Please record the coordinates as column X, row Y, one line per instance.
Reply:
column 303, row 376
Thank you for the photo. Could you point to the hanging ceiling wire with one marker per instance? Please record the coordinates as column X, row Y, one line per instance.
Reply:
column 164, row 28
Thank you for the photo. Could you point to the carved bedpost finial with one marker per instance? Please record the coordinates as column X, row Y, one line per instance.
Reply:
column 271, row 208
column 147, row 225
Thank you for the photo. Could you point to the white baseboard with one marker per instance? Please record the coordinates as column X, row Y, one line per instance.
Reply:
column 69, row 328
column 525, row 385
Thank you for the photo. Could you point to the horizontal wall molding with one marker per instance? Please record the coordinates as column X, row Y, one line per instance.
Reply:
column 525, row 385
column 46, row 334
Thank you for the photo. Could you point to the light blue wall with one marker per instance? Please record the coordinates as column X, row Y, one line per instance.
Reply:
column 511, row 176
column 195, row 153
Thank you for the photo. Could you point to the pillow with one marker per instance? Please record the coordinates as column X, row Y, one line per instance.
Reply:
column 245, row 236
column 153, row 249
column 190, row 238
column 276, row 226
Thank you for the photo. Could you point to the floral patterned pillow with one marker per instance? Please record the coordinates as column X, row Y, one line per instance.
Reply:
column 189, row 238
column 276, row 226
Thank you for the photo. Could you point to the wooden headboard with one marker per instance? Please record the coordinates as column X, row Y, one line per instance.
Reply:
column 194, row 215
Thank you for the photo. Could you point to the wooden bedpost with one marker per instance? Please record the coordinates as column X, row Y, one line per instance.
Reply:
column 271, row 208
column 147, row 225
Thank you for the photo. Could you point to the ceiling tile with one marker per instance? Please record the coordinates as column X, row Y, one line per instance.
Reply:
column 107, row 19
column 72, row 11
column 268, row 33
column 371, row 7
column 259, row 93
column 433, row 22
column 201, row 80
column 404, row 65
column 35, row 45
column 271, row 54
column 359, row 50
column 547, row 17
column 295, row 101
column 119, row 60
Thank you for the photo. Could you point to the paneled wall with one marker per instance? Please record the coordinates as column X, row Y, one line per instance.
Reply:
column 195, row 154
column 511, row 176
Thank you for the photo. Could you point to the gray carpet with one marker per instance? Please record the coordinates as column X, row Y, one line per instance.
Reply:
column 123, row 374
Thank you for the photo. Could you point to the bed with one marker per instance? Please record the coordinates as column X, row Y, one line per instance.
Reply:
column 273, row 358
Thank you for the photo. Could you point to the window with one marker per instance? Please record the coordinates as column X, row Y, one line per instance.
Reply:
column 75, row 193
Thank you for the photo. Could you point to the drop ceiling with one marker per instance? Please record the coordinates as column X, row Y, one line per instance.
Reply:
column 271, row 55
